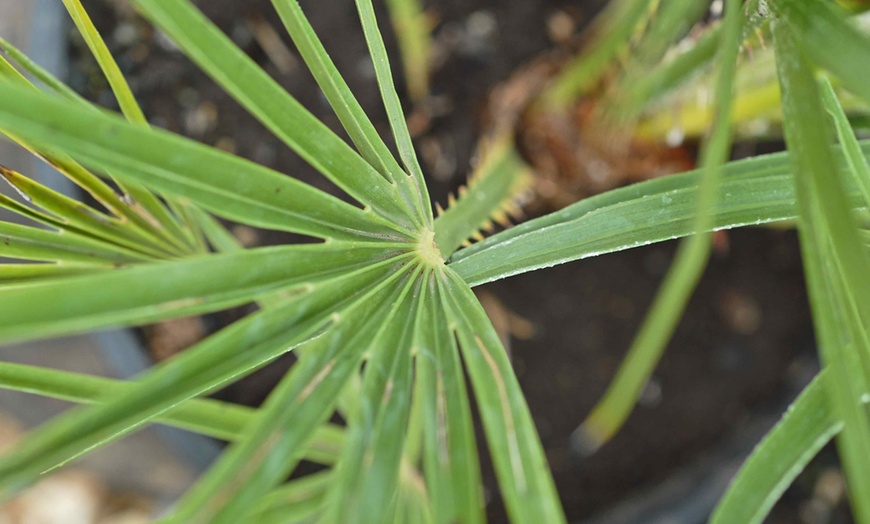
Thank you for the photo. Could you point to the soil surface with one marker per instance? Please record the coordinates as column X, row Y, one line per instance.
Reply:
column 741, row 349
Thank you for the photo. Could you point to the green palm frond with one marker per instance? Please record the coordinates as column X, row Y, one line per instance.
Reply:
column 379, row 310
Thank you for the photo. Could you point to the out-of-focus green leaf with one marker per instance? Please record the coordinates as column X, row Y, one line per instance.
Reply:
column 611, row 412
column 238, row 350
column 826, row 36
column 209, row 417
column 296, row 501
column 414, row 32
column 834, row 257
column 611, row 33
column 855, row 159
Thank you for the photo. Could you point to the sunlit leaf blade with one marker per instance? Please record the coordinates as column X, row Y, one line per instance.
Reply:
column 754, row 191
column 129, row 107
column 216, row 419
column 368, row 470
column 304, row 399
column 239, row 349
column 168, row 289
column 391, row 101
column 223, row 183
column 241, row 77
column 834, row 258
column 354, row 120
column 296, row 501
column 658, row 326
column 29, row 243
column 806, row 427
column 98, row 48
column 500, row 177
column 450, row 460
column 521, row 467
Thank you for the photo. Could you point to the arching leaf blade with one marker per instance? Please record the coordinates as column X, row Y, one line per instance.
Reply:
column 304, row 399
column 753, row 192
column 235, row 351
column 242, row 78
column 521, row 467
column 223, row 183
column 169, row 289
column 806, row 427
column 368, row 472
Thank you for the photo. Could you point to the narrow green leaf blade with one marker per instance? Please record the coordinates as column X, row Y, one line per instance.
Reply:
column 30, row 243
column 450, row 459
column 299, row 500
column 833, row 254
column 368, row 472
column 19, row 272
column 169, row 289
column 110, row 68
column 391, row 101
column 84, row 219
column 658, row 326
column 205, row 416
column 413, row 29
column 753, row 192
column 236, row 351
column 358, row 126
column 223, row 183
column 829, row 38
column 303, row 400
column 520, row 464
column 241, row 77
column 129, row 107
column 806, row 427
column 855, row 159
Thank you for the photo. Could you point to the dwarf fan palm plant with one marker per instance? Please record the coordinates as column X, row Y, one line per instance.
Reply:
column 380, row 311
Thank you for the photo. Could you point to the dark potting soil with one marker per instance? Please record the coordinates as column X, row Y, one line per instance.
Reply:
column 743, row 346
